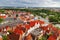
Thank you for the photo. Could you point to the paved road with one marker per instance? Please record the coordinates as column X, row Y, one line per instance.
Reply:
column 11, row 22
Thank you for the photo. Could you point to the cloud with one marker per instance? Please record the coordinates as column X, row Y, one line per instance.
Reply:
column 30, row 3
column 56, row 0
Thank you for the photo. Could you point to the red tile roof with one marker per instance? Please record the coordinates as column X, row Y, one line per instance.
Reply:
column 51, row 37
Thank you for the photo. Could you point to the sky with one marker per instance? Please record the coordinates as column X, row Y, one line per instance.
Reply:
column 30, row 3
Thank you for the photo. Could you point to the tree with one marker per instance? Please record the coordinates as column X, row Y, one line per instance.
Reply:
column 16, row 15
column 53, row 19
column 1, row 20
